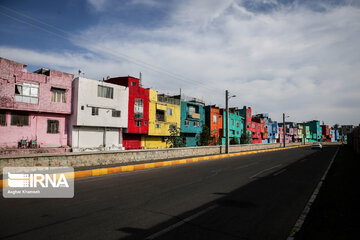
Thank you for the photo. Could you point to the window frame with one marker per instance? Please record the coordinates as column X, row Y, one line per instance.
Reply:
column 104, row 91
column 94, row 111
column 53, row 126
column 55, row 92
column 25, row 119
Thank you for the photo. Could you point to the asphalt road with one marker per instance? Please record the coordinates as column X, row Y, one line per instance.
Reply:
column 257, row 196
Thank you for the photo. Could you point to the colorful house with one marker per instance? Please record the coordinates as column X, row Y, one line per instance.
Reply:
column 214, row 120
column 192, row 120
column 273, row 135
column 291, row 132
column 315, row 130
column 245, row 112
column 34, row 107
column 100, row 115
column 236, row 126
column 164, row 114
column 138, row 111
column 325, row 130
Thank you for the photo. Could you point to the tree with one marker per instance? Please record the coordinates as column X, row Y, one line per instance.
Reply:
column 176, row 139
column 234, row 141
column 245, row 138
column 204, row 137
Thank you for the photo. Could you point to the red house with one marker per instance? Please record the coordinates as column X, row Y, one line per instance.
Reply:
column 138, row 113
column 326, row 133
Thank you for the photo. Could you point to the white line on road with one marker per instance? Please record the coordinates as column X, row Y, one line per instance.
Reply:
column 265, row 171
column 188, row 219
column 277, row 173
column 245, row 166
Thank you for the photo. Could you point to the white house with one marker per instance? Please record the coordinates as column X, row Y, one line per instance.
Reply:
column 99, row 115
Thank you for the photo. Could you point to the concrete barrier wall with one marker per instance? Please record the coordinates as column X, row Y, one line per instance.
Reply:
column 83, row 159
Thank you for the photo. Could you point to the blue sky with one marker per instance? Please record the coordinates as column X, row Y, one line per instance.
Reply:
column 298, row 57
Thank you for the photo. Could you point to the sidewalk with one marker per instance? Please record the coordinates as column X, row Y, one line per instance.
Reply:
column 335, row 212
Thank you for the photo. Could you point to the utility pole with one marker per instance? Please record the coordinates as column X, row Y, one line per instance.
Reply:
column 304, row 132
column 284, row 128
column 227, row 121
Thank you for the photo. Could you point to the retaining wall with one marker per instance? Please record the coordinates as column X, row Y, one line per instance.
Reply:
column 82, row 159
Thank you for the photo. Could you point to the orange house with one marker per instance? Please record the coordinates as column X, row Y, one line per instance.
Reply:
column 214, row 120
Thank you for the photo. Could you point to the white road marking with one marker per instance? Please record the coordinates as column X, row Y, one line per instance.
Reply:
column 277, row 173
column 188, row 219
column 265, row 171
column 245, row 166
column 306, row 210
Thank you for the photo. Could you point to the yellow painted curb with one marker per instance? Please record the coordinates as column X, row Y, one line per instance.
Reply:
column 128, row 168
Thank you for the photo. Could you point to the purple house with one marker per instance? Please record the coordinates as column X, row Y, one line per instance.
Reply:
column 33, row 106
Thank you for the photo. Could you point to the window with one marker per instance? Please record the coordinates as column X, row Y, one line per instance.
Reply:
column 173, row 126
column 94, row 111
column 105, row 92
column 145, row 123
column 248, row 114
column 138, row 109
column 133, row 84
column 237, row 124
column 237, row 132
column 232, row 121
column 214, row 118
column 58, row 95
column 20, row 119
column 160, row 115
column 157, row 126
column 169, row 111
column 191, row 110
column 253, row 125
column 27, row 93
column 2, row 118
column 186, row 123
column 196, row 124
column 52, row 126
column 248, row 124
column 116, row 113
column 138, row 123
column 82, row 107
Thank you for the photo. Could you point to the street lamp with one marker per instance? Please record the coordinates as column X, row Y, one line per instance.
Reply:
column 227, row 97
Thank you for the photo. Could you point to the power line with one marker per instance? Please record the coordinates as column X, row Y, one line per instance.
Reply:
column 107, row 50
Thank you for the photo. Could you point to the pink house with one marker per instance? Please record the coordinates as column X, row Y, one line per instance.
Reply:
column 33, row 106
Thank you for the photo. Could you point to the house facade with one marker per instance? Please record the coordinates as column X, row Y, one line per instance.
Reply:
column 138, row 111
column 34, row 107
column 236, row 126
column 100, row 115
column 245, row 112
column 192, row 120
column 214, row 120
column 325, row 130
column 164, row 115
column 315, row 130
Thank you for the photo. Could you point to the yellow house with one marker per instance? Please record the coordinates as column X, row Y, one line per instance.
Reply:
column 164, row 113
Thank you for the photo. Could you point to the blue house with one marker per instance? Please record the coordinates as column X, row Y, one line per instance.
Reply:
column 191, row 120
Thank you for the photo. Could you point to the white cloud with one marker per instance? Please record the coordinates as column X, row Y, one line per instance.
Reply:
column 298, row 61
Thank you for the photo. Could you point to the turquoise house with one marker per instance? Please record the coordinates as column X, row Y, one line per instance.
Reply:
column 236, row 125
column 315, row 130
column 192, row 120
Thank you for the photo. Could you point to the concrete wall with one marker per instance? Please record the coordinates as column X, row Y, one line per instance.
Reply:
column 117, row 157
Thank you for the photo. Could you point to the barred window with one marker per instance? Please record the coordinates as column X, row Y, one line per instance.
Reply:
column 186, row 123
column 105, row 92
column 58, row 95
column 116, row 113
column 196, row 124
column 138, row 109
column 160, row 115
column 20, row 119
column 138, row 123
column 94, row 111
column 2, row 118
column 52, row 126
